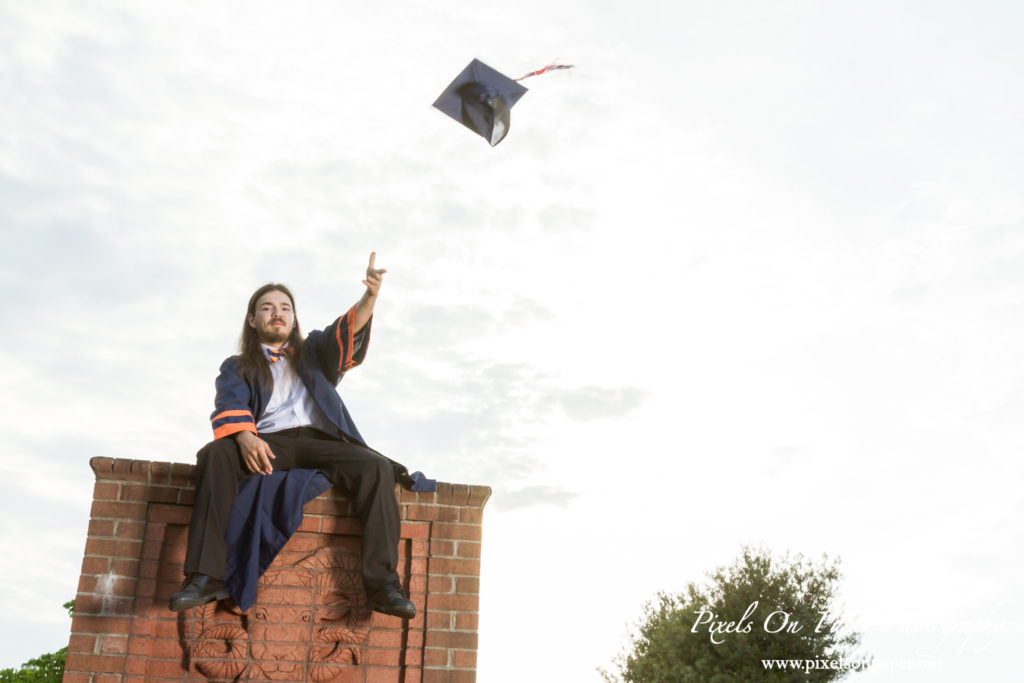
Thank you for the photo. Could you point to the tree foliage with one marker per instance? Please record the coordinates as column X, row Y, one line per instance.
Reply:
column 48, row 668
column 759, row 608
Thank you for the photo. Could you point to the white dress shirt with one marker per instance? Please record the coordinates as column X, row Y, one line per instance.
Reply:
column 290, row 404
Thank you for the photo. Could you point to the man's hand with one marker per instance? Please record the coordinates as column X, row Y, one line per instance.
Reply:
column 364, row 307
column 255, row 453
column 374, row 276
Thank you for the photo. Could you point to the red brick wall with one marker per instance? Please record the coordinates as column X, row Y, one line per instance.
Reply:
column 308, row 622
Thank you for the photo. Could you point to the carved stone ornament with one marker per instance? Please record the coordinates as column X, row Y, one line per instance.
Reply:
column 309, row 623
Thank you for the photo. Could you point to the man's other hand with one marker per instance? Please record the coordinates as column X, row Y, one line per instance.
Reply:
column 255, row 453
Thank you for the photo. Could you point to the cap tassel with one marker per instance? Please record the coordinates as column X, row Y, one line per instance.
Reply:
column 549, row 67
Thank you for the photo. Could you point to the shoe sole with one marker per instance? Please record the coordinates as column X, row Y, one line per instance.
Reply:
column 389, row 612
column 182, row 605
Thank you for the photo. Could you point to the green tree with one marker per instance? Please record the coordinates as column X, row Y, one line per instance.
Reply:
column 48, row 668
column 759, row 608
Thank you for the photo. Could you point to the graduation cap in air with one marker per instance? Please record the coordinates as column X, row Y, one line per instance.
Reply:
column 480, row 98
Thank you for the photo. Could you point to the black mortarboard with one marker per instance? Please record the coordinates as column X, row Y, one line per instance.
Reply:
column 480, row 99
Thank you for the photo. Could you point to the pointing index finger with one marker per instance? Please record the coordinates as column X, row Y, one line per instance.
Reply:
column 373, row 257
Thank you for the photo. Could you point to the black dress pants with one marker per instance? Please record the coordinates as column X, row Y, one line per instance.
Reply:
column 364, row 475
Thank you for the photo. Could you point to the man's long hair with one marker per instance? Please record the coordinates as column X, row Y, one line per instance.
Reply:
column 254, row 362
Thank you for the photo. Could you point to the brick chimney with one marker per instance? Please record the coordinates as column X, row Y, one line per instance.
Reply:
column 308, row 624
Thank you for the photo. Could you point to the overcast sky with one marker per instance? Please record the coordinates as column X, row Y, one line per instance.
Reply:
column 751, row 273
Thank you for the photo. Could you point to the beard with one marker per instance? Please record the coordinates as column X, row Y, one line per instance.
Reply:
column 275, row 335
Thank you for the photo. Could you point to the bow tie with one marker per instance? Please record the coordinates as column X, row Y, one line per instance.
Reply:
column 275, row 355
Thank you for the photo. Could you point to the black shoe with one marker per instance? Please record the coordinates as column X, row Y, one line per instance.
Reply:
column 198, row 589
column 391, row 600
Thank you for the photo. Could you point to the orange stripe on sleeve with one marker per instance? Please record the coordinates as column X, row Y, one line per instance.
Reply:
column 346, row 362
column 232, row 427
column 231, row 413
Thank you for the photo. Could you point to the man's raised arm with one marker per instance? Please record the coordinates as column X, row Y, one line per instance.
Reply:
column 364, row 307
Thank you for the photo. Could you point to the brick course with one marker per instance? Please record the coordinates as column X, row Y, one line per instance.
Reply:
column 123, row 631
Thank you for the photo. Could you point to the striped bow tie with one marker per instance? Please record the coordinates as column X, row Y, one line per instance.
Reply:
column 275, row 355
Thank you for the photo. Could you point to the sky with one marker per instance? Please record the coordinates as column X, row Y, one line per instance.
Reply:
column 749, row 274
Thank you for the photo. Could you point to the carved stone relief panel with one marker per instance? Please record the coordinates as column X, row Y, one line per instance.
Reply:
column 309, row 624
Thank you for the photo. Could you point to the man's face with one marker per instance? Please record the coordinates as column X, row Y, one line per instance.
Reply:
column 274, row 318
